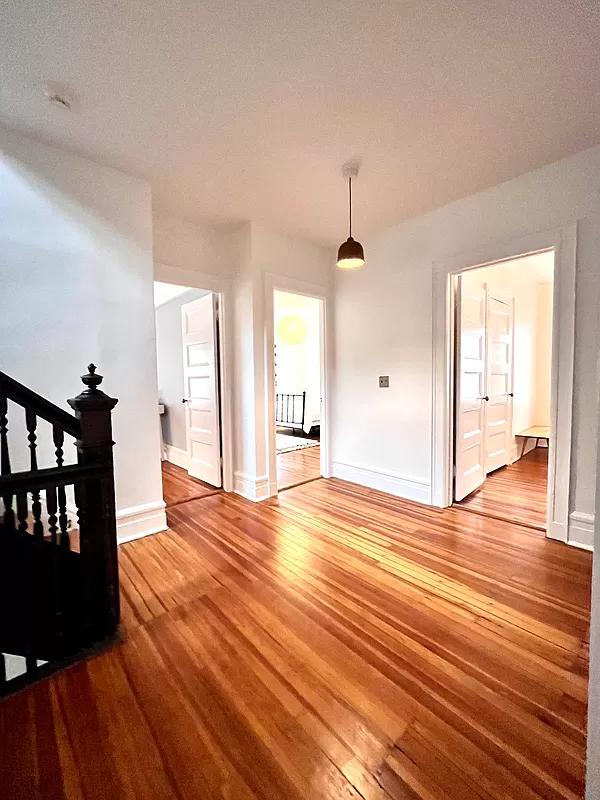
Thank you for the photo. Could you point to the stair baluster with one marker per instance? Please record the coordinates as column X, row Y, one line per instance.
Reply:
column 36, row 506
column 9, row 515
column 63, row 520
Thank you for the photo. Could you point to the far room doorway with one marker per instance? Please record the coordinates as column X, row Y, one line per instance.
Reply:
column 503, row 388
column 188, row 347
column 298, row 390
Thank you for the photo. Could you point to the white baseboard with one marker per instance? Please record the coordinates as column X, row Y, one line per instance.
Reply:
column 255, row 489
column 391, row 482
column 177, row 456
column 581, row 530
column 138, row 521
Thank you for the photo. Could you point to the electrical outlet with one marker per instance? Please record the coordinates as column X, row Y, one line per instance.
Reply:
column 384, row 381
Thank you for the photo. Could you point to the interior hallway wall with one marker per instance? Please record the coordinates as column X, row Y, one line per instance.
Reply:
column 77, row 286
column 261, row 253
column 237, row 261
column 384, row 325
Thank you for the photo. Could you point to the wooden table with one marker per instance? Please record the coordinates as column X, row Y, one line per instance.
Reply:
column 536, row 432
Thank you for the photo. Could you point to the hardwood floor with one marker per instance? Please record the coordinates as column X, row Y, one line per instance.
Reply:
column 517, row 492
column 179, row 487
column 333, row 643
column 298, row 466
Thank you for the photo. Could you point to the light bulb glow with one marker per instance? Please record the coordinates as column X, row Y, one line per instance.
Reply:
column 350, row 263
column 291, row 330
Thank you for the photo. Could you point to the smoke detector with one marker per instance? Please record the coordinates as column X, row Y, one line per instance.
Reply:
column 59, row 95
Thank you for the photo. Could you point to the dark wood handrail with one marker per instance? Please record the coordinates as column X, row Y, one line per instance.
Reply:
column 54, row 601
column 15, row 391
column 53, row 476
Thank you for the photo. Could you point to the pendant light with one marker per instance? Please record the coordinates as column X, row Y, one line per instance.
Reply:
column 351, row 254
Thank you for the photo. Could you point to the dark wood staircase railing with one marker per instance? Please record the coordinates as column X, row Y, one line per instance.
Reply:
column 59, row 589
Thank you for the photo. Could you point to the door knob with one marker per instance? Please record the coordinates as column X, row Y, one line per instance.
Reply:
column 485, row 397
column 184, row 400
column 510, row 394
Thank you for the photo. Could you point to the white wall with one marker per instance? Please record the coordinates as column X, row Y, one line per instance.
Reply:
column 544, row 353
column 200, row 248
column 262, row 257
column 169, row 358
column 384, row 323
column 76, row 278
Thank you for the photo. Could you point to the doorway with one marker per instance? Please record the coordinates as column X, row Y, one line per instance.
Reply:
column 189, row 347
column 298, row 389
column 502, row 432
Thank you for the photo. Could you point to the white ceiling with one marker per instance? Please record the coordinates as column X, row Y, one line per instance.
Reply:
column 236, row 109
column 539, row 265
column 287, row 302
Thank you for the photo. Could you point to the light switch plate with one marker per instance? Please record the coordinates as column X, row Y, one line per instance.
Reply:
column 384, row 381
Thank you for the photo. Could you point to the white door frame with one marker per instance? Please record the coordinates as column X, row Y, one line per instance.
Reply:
column 223, row 287
column 563, row 241
column 273, row 283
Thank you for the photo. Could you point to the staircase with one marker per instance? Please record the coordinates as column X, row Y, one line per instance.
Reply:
column 59, row 590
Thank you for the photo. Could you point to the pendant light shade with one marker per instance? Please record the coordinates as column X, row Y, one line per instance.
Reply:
column 351, row 254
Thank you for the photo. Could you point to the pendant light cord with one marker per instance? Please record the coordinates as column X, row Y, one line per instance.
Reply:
column 350, row 203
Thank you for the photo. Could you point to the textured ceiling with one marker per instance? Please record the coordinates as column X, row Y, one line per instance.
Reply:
column 246, row 110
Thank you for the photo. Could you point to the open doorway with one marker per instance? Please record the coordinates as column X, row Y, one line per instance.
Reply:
column 188, row 348
column 503, row 430
column 298, row 390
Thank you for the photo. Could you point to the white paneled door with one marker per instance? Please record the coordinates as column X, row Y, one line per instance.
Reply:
column 499, row 380
column 200, row 365
column 470, row 385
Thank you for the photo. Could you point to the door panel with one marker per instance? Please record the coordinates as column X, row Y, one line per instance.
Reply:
column 499, row 369
column 200, row 365
column 470, row 384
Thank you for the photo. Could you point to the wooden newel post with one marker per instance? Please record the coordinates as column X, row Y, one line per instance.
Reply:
column 95, row 498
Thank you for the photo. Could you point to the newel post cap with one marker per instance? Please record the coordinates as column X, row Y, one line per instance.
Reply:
column 92, row 398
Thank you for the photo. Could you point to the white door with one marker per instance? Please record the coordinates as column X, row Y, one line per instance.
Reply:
column 470, row 385
column 499, row 367
column 200, row 364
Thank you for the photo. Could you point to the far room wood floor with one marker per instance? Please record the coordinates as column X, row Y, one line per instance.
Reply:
column 179, row 486
column 517, row 492
column 334, row 642
column 298, row 466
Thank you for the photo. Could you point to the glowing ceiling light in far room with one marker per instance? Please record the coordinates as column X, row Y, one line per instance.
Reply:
column 291, row 329
column 351, row 254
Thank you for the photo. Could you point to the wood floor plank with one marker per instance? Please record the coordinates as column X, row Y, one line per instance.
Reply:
column 297, row 466
column 517, row 492
column 332, row 643
column 179, row 486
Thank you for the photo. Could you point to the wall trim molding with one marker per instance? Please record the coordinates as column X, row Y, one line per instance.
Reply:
column 581, row 530
column 177, row 456
column 254, row 489
column 144, row 520
column 409, row 488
